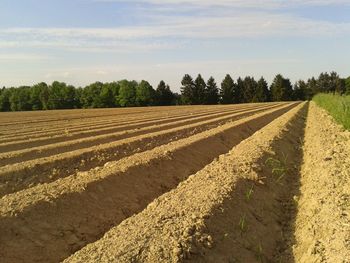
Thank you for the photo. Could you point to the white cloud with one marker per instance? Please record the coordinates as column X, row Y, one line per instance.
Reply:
column 170, row 33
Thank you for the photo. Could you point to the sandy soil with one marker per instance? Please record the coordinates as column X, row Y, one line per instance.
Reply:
column 54, row 225
column 209, row 217
column 239, row 183
column 29, row 173
column 322, row 227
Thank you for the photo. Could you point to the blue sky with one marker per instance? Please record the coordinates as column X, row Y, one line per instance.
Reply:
column 82, row 41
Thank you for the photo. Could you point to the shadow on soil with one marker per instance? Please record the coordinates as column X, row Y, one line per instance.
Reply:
column 53, row 229
column 257, row 222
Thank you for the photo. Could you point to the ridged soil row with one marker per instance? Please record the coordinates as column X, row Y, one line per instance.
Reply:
column 108, row 137
column 102, row 129
column 322, row 225
column 233, row 210
column 69, row 116
column 29, row 173
column 70, row 126
column 48, row 222
column 25, row 118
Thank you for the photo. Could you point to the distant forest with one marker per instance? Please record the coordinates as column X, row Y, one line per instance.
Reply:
column 196, row 91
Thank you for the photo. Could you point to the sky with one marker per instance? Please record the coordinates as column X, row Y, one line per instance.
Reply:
column 83, row 41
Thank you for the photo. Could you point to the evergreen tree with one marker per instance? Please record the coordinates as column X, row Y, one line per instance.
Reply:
column 212, row 92
column 262, row 93
column 250, row 87
column 227, row 91
column 281, row 89
column 300, row 91
column 199, row 91
column 239, row 91
column 312, row 87
column 188, row 90
column 164, row 95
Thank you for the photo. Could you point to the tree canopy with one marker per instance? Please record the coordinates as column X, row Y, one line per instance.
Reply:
column 198, row 91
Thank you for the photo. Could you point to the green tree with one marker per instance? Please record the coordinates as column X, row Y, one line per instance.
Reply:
column 340, row 86
column 61, row 96
column 187, row 90
column 300, row 91
column 262, row 93
column 5, row 95
column 127, row 93
column 164, row 95
column 91, row 96
column 145, row 94
column 107, row 99
column 281, row 89
column 347, row 86
column 69, row 97
column 312, row 87
column 200, row 90
column 239, row 91
column 211, row 92
column 330, row 83
column 227, row 91
column 250, row 87
column 20, row 98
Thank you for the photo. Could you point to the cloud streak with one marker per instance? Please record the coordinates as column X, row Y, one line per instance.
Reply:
column 171, row 33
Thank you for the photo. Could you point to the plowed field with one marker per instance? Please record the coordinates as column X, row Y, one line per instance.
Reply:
column 166, row 184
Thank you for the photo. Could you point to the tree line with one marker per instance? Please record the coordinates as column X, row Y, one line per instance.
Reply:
column 196, row 91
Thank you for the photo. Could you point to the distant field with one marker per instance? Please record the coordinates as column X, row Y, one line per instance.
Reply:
column 338, row 106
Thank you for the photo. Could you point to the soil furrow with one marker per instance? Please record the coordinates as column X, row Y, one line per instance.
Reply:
column 86, row 141
column 79, row 125
column 231, row 211
column 48, row 222
column 102, row 129
column 68, row 116
column 27, row 174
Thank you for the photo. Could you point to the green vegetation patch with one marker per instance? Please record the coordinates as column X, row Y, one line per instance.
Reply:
column 338, row 106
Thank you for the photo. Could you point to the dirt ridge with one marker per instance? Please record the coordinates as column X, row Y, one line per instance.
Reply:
column 53, row 208
column 177, row 226
column 21, row 175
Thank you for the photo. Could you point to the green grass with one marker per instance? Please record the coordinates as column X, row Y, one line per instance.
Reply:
column 337, row 106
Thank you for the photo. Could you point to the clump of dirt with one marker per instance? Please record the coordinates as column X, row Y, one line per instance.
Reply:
column 322, row 228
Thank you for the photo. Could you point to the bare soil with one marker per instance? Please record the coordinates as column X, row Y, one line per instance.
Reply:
column 209, row 217
column 322, row 227
column 110, row 194
column 25, row 174
column 235, row 183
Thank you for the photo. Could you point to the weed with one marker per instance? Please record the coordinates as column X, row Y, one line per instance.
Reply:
column 259, row 253
column 242, row 224
column 278, row 167
column 249, row 193
column 337, row 106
